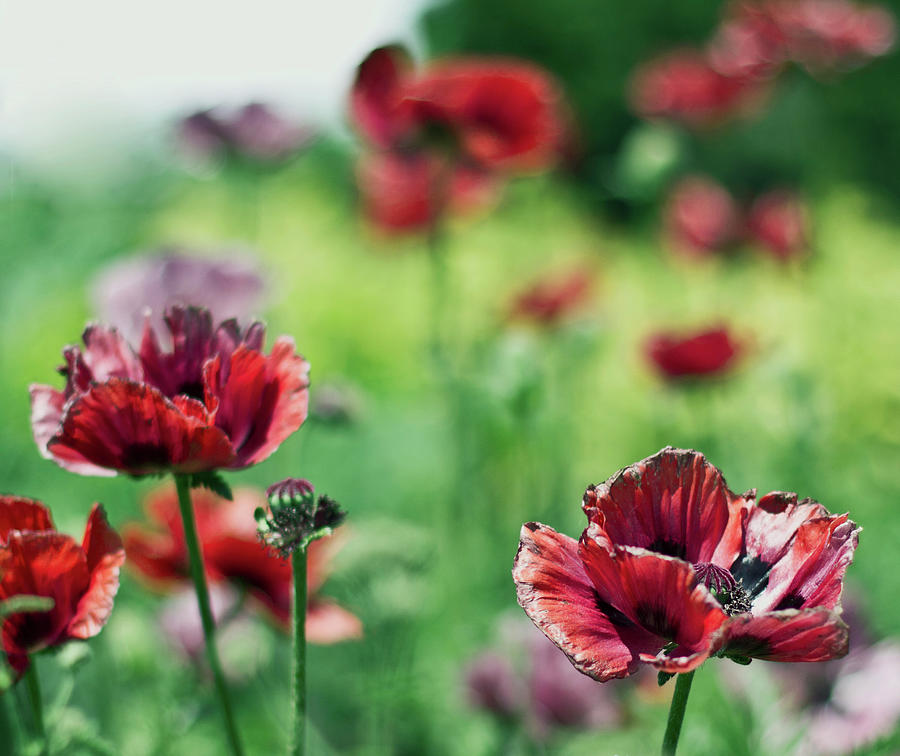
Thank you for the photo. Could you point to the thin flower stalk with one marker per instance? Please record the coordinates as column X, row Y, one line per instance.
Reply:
column 298, row 674
column 198, row 575
column 676, row 713
column 33, row 685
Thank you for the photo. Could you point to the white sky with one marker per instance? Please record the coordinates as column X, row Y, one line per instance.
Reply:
column 94, row 72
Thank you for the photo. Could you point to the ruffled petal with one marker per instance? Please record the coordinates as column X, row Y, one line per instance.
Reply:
column 674, row 503
column 42, row 564
column 262, row 401
column 559, row 597
column 660, row 594
column 811, row 572
column 181, row 370
column 47, row 406
column 791, row 635
column 132, row 428
column 327, row 623
column 376, row 93
column 105, row 554
column 19, row 513
column 108, row 355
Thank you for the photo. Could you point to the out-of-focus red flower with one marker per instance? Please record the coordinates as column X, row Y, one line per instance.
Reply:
column 35, row 560
column 228, row 283
column 444, row 131
column 551, row 299
column 779, row 221
column 399, row 191
column 708, row 352
column 683, row 86
column 819, row 34
column 213, row 401
column 674, row 567
column 254, row 131
column 233, row 552
column 700, row 216
column 532, row 681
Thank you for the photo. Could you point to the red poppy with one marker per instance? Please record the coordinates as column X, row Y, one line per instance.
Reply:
column 779, row 221
column 233, row 552
column 444, row 132
column 700, row 216
column 674, row 568
column 35, row 560
column 683, row 86
column 213, row 401
column 551, row 299
column 705, row 353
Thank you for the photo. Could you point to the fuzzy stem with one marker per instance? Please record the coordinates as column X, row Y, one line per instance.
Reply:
column 298, row 677
column 33, row 685
column 676, row 712
column 198, row 575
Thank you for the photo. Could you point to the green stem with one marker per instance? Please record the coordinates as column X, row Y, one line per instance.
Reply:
column 298, row 677
column 7, row 732
column 438, row 265
column 198, row 574
column 676, row 712
column 33, row 686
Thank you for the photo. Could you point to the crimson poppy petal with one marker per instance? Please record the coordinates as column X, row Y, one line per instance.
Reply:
column 791, row 635
column 154, row 555
column 262, row 401
column 108, row 355
column 133, row 428
column 658, row 593
column 559, row 597
column 105, row 554
column 376, row 93
column 179, row 371
column 19, row 513
column 328, row 623
column 811, row 572
column 42, row 564
column 47, row 406
column 674, row 503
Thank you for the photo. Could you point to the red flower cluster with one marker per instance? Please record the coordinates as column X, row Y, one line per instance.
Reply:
column 755, row 40
column 35, row 560
column 551, row 299
column 674, row 568
column 701, row 216
column 706, row 353
column 213, row 401
column 233, row 552
column 445, row 132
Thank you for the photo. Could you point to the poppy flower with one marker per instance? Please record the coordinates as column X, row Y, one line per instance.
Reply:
column 700, row 217
column 234, row 553
column 213, row 401
column 779, row 221
column 674, row 568
column 227, row 282
column 254, row 131
column 684, row 86
column 549, row 300
column 35, row 560
column 705, row 353
column 443, row 132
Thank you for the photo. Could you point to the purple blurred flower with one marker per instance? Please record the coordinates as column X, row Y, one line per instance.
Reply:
column 254, row 131
column 229, row 285
column 533, row 681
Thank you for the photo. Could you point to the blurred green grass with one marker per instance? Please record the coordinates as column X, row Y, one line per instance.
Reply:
column 437, row 493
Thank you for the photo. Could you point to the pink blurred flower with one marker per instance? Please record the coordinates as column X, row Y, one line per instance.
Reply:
column 533, row 681
column 683, row 86
column 779, row 221
column 700, row 216
column 228, row 283
column 704, row 353
column 254, row 131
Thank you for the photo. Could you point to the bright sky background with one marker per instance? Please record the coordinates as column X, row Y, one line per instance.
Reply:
column 97, row 73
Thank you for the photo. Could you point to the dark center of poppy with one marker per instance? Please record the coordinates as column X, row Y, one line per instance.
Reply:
column 193, row 389
column 724, row 588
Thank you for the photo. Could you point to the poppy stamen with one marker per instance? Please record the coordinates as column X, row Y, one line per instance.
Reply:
column 723, row 586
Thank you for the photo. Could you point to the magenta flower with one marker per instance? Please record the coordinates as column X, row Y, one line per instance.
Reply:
column 674, row 568
column 701, row 217
column 214, row 401
column 779, row 221
column 228, row 284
